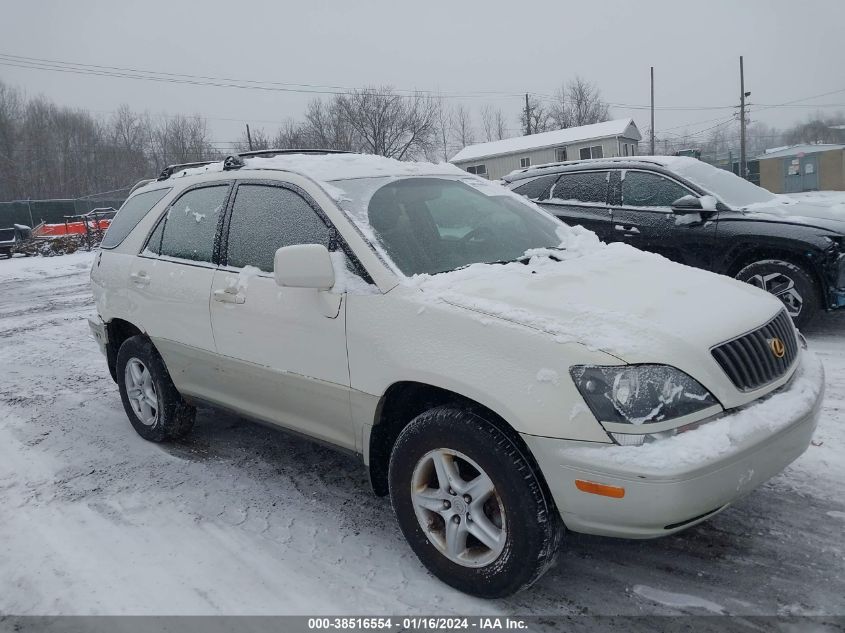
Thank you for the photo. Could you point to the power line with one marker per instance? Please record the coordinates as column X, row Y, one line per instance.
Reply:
column 36, row 63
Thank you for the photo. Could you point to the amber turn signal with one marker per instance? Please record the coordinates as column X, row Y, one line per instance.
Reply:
column 599, row 489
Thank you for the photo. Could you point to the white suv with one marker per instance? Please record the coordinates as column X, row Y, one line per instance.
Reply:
column 502, row 375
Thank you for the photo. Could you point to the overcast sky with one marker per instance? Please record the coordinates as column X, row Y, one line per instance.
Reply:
column 483, row 52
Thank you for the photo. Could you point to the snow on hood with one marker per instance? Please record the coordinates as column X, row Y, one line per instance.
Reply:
column 803, row 208
column 637, row 306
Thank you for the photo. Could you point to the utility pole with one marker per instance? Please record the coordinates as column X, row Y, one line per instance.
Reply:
column 29, row 206
column 249, row 137
column 741, row 119
column 652, row 110
column 527, row 115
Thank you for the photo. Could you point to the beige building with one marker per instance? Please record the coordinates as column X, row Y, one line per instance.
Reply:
column 799, row 168
column 599, row 140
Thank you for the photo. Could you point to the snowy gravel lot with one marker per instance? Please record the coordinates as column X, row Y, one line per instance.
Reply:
column 242, row 519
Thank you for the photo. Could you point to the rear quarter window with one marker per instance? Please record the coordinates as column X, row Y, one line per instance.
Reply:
column 127, row 218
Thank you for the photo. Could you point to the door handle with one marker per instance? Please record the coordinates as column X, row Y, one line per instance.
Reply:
column 229, row 296
column 140, row 278
column 627, row 229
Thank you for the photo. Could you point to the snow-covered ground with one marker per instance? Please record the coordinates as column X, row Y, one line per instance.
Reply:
column 242, row 519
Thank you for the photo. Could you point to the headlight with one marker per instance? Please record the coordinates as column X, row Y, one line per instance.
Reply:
column 640, row 394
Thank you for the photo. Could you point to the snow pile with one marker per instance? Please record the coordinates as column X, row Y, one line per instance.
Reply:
column 823, row 205
column 719, row 437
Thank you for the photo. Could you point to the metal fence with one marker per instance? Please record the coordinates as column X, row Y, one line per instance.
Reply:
column 33, row 212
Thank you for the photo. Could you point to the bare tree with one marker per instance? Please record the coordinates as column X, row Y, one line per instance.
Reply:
column 462, row 130
column 259, row 137
column 181, row 139
column 538, row 116
column 494, row 124
column 327, row 127
column 11, row 112
column 577, row 103
column 816, row 129
column 389, row 124
column 443, row 129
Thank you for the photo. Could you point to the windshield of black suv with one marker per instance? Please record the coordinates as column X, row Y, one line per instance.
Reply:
column 436, row 224
column 734, row 191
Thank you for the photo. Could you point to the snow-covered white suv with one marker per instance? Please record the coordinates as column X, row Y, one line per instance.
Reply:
column 502, row 375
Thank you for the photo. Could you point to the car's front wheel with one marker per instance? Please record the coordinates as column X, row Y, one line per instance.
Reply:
column 471, row 504
column 793, row 285
column 155, row 408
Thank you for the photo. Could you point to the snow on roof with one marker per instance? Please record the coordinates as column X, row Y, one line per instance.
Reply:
column 617, row 127
column 792, row 150
column 329, row 167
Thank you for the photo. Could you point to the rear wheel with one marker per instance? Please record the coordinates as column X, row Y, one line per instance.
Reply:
column 155, row 408
column 793, row 285
column 471, row 505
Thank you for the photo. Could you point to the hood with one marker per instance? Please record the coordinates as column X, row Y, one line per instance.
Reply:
column 637, row 306
column 785, row 210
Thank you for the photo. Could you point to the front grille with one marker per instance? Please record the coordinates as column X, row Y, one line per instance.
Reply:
column 749, row 360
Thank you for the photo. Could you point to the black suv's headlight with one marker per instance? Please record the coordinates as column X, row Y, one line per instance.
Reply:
column 640, row 394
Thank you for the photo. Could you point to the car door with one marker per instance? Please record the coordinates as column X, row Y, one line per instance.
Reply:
column 580, row 198
column 170, row 283
column 641, row 203
column 282, row 350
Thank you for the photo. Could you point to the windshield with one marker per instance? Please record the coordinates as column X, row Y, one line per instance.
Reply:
column 433, row 224
column 7, row 235
column 727, row 186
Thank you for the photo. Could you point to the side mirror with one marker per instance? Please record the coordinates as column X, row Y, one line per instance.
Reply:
column 687, row 204
column 304, row 266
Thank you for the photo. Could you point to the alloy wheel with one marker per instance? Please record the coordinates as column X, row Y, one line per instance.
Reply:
column 458, row 508
column 783, row 287
column 141, row 392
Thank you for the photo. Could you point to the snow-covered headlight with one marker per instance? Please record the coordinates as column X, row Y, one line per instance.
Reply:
column 640, row 394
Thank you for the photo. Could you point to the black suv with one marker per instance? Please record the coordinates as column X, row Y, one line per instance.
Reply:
column 702, row 216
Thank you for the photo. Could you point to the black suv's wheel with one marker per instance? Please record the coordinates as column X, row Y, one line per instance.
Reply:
column 471, row 505
column 155, row 408
column 793, row 285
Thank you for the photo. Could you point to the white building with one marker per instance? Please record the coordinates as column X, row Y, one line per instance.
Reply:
column 599, row 140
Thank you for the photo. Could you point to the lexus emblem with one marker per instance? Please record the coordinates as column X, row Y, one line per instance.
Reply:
column 777, row 347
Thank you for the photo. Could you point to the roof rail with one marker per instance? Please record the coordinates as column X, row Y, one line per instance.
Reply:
column 274, row 152
column 234, row 161
column 168, row 171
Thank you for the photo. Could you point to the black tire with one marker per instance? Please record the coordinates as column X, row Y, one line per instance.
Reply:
column 533, row 526
column 174, row 417
column 792, row 284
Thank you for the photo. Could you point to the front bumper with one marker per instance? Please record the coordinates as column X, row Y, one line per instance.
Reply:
column 677, row 482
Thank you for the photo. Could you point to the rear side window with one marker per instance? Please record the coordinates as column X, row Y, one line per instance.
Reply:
column 190, row 225
column 537, row 189
column 129, row 215
column 266, row 218
column 581, row 186
column 642, row 189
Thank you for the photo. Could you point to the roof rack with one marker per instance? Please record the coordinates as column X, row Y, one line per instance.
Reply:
column 168, row 171
column 530, row 171
column 274, row 152
column 235, row 161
